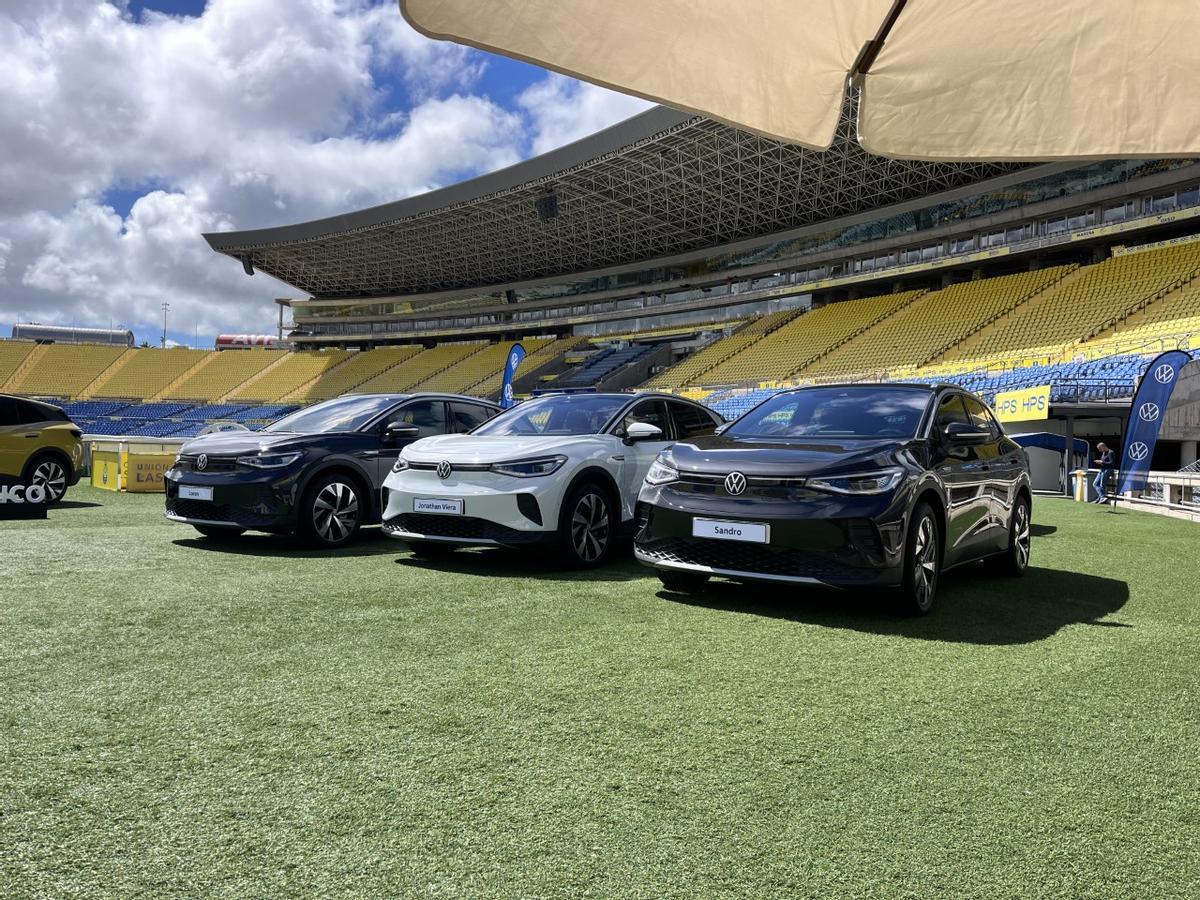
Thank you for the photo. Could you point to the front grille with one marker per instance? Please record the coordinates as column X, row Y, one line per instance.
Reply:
column 187, row 463
column 462, row 527
column 761, row 559
column 757, row 487
column 217, row 512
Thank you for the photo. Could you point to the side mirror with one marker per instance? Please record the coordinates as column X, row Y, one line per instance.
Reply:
column 642, row 431
column 961, row 434
column 401, row 431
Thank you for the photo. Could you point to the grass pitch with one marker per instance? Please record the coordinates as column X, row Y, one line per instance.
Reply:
column 182, row 717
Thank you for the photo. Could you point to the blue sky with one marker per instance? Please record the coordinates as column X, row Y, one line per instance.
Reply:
column 130, row 128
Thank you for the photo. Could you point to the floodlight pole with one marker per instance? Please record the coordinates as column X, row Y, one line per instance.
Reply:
column 165, row 307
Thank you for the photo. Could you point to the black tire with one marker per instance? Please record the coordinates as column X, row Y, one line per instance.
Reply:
column 332, row 510
column 682, row 582
column 220, row 532
column 922, row 562
column 430, row 549
column 587, row 525
column 50, row 472
column 1015, row 559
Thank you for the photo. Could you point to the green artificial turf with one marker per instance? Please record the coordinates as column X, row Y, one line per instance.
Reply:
column 183, row 717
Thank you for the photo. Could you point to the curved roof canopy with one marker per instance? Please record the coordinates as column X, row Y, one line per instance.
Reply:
column 659, row 184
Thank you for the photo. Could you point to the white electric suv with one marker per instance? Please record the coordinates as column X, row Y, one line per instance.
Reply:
column 562, row 470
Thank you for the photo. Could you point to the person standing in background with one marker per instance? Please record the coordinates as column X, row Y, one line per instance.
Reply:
column 1105, row 462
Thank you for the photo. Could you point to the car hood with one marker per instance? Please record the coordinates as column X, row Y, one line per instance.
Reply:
column 470, row 449
column 720, row 454
column 234, row 443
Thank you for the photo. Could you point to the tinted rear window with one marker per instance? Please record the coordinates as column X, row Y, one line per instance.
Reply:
column 846, row 413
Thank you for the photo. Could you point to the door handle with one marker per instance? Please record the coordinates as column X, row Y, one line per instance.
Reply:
column 34, row 435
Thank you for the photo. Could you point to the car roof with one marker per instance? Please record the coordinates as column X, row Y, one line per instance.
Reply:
column 440, row 394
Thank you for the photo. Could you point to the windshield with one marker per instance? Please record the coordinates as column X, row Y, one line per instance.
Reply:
column 341, row 414
column 564, row 414
column 870, row 411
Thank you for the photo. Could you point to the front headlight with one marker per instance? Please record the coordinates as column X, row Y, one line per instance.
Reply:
column 400, row 464
column 878, row 482
column 530, row 468
column 660, row 473
column 269, row 460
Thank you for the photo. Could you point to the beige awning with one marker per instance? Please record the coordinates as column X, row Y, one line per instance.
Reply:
column 952, row 79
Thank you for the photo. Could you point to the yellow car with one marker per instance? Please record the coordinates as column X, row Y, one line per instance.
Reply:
column 39, row 445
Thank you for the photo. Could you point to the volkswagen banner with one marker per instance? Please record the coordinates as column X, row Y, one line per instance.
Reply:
column 515, row 355
column 1145, row 418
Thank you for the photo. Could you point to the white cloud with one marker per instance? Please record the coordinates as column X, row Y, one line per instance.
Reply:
column 257, row 112
column 564, row 110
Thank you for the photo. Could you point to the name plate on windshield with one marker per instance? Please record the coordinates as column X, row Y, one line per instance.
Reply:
column 751, row 532
column 437, row 507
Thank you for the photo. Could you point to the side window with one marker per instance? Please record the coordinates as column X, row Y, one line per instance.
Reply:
column 32, row 413
column 428, row 415
column 653, row 412
column 8, row 412
column 950, row 410
column 691, row 420
column 980, row 417
column 466, row 416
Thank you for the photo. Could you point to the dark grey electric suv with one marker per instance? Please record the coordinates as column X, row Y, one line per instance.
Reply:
column 316, row 473
column 844, row 485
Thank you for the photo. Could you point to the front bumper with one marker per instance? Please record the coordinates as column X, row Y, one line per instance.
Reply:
column 835, row 541
column 262, row 501
column 497, row 510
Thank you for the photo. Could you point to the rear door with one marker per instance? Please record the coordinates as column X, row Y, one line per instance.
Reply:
column 692, row 420
column 464, row 416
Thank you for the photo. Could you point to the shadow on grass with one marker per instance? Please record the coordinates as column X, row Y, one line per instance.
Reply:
column 369, row 542
column 74, row 504
column 1042, row 530
column 514, row 563
column 973, row 607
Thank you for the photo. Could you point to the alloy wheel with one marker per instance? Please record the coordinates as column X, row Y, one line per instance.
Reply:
column 925, row 556
column 335, row 512
column 52, row 478
column 1021, row 534
column 589, row 527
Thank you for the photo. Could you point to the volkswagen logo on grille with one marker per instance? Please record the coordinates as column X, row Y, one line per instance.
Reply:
column 202, row 461
column 444, row 469
column 735, row 483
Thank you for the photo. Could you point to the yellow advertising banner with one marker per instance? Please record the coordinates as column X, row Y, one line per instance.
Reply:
column 144, row 472
column 1023, row 405
column 106, row 469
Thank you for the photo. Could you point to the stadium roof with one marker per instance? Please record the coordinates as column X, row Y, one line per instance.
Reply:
column 659, row 184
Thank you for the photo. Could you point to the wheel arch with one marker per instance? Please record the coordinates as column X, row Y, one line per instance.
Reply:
column 600, row 475
column 932, row 496
column 41, row 453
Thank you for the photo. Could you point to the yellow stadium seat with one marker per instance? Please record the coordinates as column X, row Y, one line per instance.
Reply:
column 66, row 370
column 146, row 372
column 221, row 373
column 293, row 372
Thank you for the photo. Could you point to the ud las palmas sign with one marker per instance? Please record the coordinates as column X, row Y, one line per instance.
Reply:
column 1024, row 405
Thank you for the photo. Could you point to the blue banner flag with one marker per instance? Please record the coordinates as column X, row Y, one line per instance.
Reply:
column 1145, row 417
column 515, row 355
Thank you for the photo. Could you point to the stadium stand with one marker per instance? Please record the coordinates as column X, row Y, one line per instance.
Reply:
column 1082, row 305
column 602, row 365
column 66, row 370
column 1160, row 326
column 145, row 372
column 537, row 360
column 935, row 322
column 484, row 365
column 805, row 339
column 691, row 369
column 221, row 373
column 12, row 355
column 292, row 373
column 420, row 368
column 357, row 370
